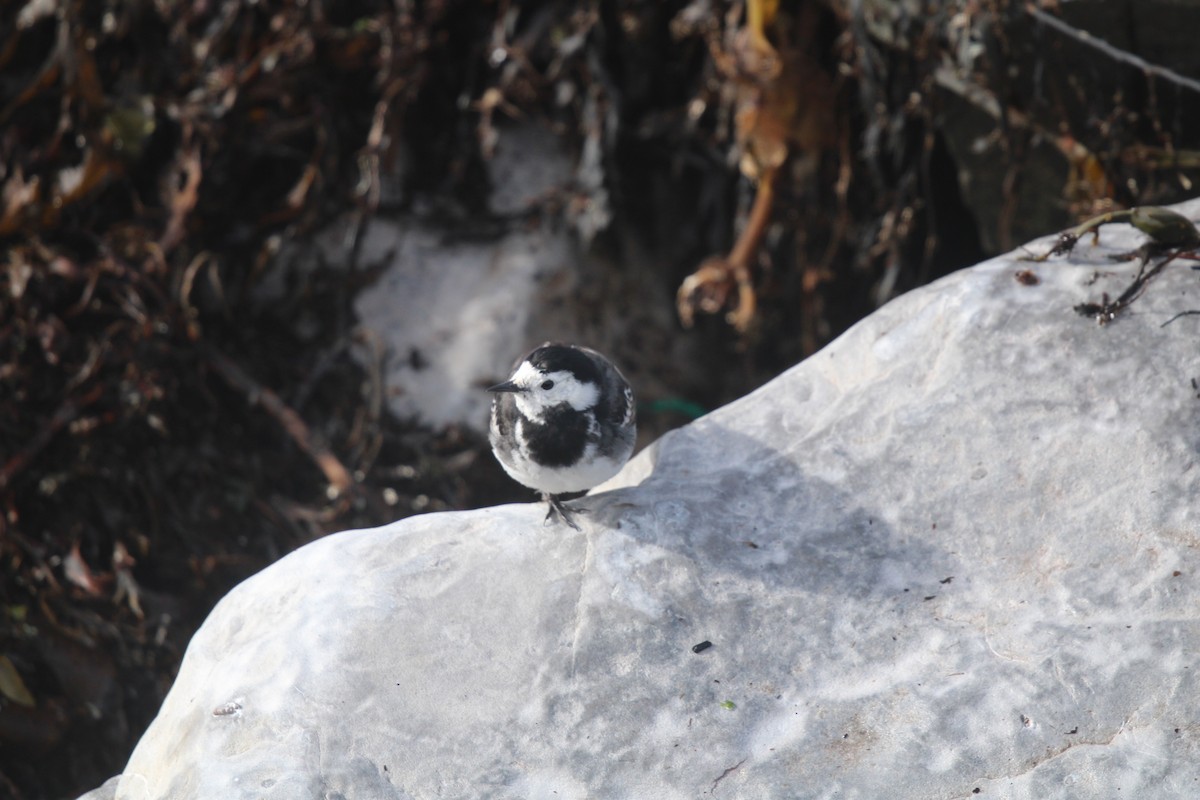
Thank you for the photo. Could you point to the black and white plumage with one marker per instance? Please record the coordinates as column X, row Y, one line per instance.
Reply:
column 563, row 422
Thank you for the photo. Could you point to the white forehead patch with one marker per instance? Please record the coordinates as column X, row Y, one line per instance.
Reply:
column 581, row 396
column 526, row 376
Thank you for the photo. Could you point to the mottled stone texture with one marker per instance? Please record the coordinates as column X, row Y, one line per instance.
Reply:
column 958, row 550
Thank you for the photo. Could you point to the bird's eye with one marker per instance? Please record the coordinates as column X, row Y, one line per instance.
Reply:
column 548, row 385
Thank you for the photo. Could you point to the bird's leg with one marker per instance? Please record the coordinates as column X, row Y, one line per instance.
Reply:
column 558, row 508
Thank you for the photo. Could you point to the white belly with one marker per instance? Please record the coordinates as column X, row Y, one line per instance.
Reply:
column 557, row 480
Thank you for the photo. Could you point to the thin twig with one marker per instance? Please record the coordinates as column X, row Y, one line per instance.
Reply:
column 335, row 472
column 1115, row 53
column 1180, row 314
column 722, row 776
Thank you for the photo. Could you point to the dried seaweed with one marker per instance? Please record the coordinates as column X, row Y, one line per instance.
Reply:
column 948, row 134
column 1170, row 236
column 152, row 157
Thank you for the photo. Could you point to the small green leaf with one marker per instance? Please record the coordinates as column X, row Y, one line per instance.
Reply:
column 131, row 126
column 1164, row 226
column 729, row 704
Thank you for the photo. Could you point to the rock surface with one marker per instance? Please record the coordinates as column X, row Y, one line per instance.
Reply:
column 954, row 554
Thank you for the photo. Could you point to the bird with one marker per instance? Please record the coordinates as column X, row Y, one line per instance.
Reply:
column 563, row 422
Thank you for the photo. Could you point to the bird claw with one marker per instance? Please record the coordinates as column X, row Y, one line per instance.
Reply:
column 557, row 508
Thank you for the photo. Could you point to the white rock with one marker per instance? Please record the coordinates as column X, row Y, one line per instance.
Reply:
column 454, row 316
column 957, row 550
column 451, row 313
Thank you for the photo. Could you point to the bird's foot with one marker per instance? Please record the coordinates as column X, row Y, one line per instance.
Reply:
column 559, row 509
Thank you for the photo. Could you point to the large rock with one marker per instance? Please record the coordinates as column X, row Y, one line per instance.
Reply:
column 956, row 553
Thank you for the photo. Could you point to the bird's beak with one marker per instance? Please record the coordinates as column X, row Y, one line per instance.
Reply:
column 507, row 386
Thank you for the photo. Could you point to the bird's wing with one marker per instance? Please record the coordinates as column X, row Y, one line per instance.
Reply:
column 621, row 404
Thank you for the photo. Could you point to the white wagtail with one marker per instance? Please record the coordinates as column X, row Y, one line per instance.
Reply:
column 563, row 422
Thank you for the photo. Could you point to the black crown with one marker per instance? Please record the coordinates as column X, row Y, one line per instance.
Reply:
column 556, row 357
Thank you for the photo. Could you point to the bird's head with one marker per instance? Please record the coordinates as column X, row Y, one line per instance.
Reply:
column 550, row 376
